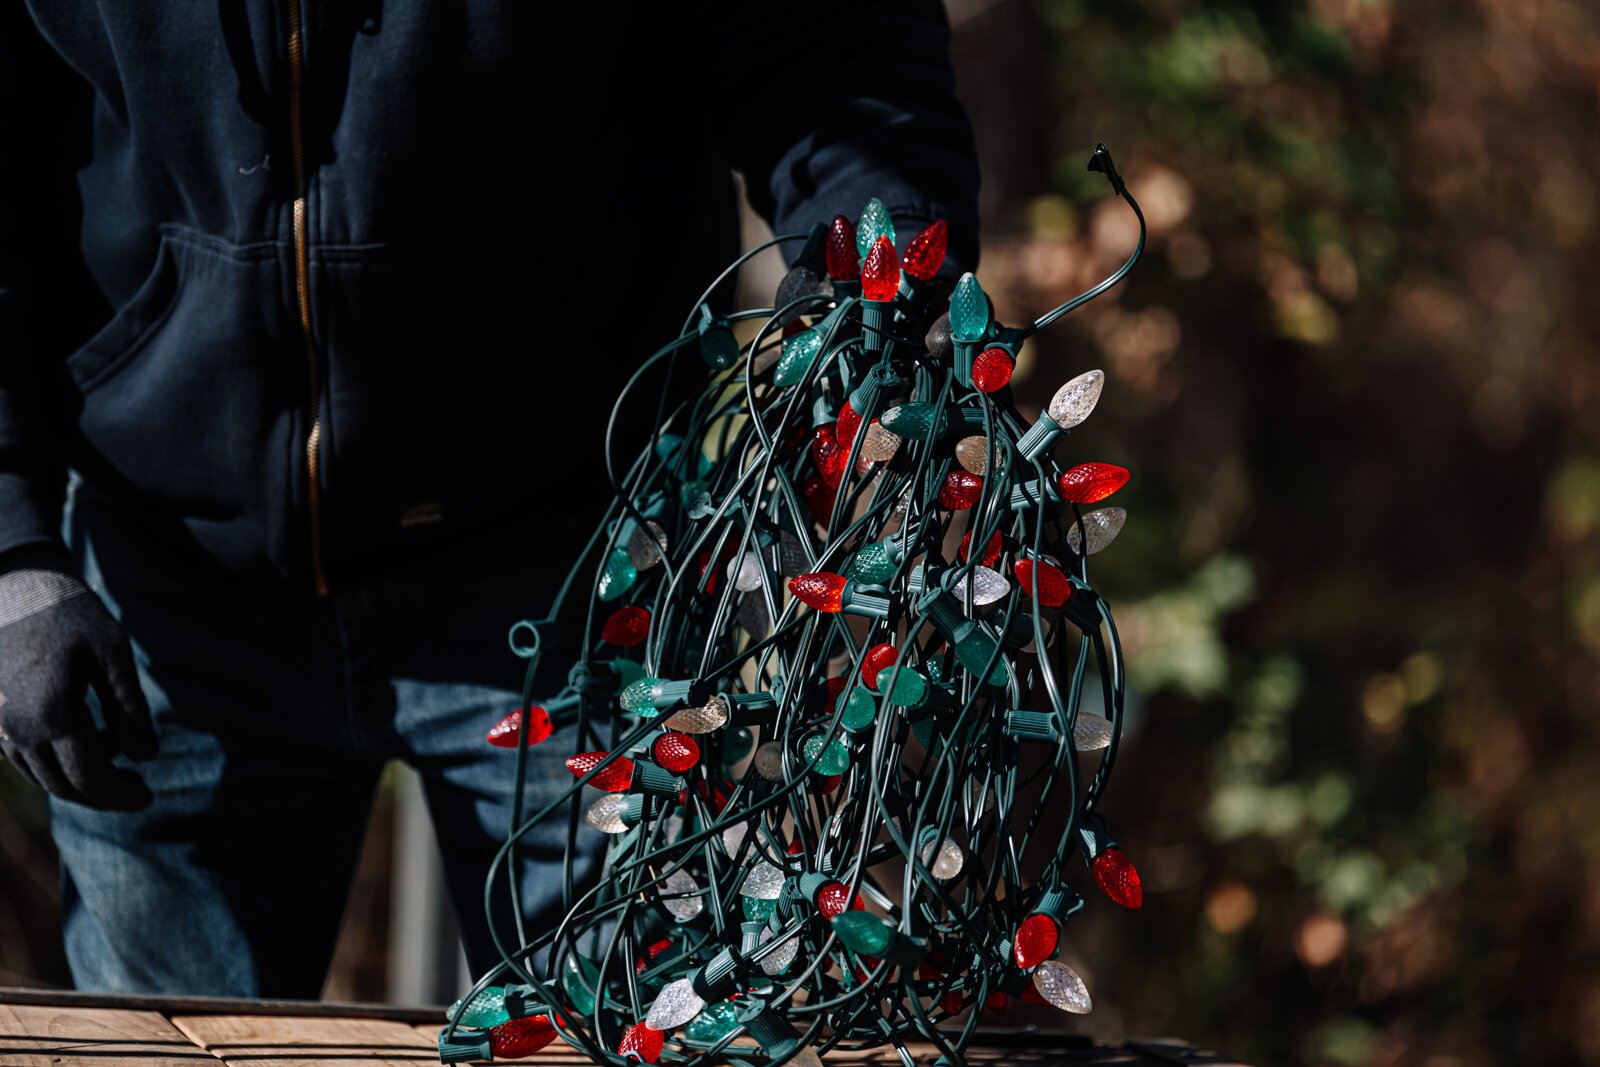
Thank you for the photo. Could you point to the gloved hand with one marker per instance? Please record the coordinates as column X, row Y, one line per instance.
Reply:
column 56, row 639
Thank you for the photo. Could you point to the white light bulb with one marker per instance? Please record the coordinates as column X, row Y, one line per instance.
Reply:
column 1074, row 401
column 973, row 454
column 1091, row 732
column 1100, row 527
column 1061, row 986
column 745, row 572
column 605, row 814
column 878, row 445
column 675, row 1005
column 712, row 715
column 733, row 838
column 764, row 882
column 769, row 761
column 944, row 858
column 646, row 545
column 987, row 586
column 675, row 888
column 782, row 956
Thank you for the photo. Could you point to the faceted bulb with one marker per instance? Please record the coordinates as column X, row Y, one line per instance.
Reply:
column 969, row 310
column 486, row 1008
column 820, row 590
column 843, row 260
column 626, row 627
column 618, row 576
column 642, row 1042
column 944, row 858
column 1090, row 483
column 1036, row 940
column 677, row 898
column 637, row 699
column 880, row 274
column 991, row 370
column 874, row 224
column 517, row 1038
column 925, row 253
column 1074, row 401
column 1061, row 986
column 782, row 956
column 799, row 353
column 675, row 1005
column 605, row 814
column 746, row 572
column 1118, row 878
column 712, row 715
column 646, row 544
column 987, row 586
column 1101, row 528
column 877, row 444
column 973, row 454
column 1091, row 732
column 769, row 761
column 764, row 882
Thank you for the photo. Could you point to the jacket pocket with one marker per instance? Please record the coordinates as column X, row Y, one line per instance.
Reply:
column 120, row 340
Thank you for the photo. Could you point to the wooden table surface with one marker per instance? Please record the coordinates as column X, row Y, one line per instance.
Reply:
column 49, row 1028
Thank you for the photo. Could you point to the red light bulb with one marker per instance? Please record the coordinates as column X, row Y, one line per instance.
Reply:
column 880, row 273
column 507, row 733
column 1118, row 878
column 676, row 752
column 834, row 898
column 1088, row 483
column 1036, row 940
column 925, row 253
column 992, row 369
column 877, row 658
column 841, row 250
column 820, row 590
column 517, row 1038
column 831, row 690
column 830, row 457
column 991, row 551
column 849, row 422
column 617, row 776
column 1054, row 589
column 829, row 783
column 960, row 491
column 626, row 627
column 819, row 498
column 641, row 1043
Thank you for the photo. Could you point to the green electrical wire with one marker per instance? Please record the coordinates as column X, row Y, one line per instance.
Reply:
column 926, row 819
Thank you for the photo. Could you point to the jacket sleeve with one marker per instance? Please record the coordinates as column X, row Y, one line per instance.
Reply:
column 32, row 475
column 824, row 104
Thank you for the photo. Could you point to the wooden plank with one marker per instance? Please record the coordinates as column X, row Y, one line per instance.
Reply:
column 40, row 1035
column 289, row 1041
column 166, row 1005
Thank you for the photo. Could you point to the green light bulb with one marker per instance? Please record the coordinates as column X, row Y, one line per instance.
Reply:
column 637, row 698
column 916, row 420
column 580, row 979
column 618, row 577
column 486, row 1009
column 863, row 933
column 860, row 708
column 969, row 310
column 713, row 1024
column 736, row 744
column 799, row 352
column 922, row 730
column 874, row 223
column 874, row 564
column 974, row 649
column 832, row 756
column 756, row 909
column 628, row 671
column 908, row 689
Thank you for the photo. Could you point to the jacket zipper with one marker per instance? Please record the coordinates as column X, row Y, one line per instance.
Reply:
column 302, row 288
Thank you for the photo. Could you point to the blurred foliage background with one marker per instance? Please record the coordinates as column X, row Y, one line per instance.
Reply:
column 1355, row 379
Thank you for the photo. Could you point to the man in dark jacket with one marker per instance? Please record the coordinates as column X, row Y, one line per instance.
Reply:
column 323, row 307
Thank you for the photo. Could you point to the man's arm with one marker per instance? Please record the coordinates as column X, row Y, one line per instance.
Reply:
column 823, row 104
column 56, row 637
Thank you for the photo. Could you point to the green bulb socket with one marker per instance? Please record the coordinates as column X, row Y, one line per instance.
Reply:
column 751, row 709
column 1033, row 726
column 937, row 701
column 669, row 694
column 966, row 353
column 750, row 936
column 634, row 808
column 968, row 421
column 519, row 1001
column 1095, row 839
column 906, row 951
column 941, row 610
column 812, row 884
column 771, row 1031
column 855, row 601
column 1083, row 607
column 872, row 315
column 974, row 645
column 1040, row 436
column 719, row 977
column 864, row 399
column 464, row 1047
column 917, row 581
column 1034, row 494
column 655, row 779
column 1057, row 902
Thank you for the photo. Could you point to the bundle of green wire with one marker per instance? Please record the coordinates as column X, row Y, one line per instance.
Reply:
column 839, row 627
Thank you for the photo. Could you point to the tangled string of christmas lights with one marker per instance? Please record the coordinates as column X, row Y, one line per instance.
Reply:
column 836, row 605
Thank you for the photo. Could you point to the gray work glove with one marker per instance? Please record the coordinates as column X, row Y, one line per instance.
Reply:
column 57, row 639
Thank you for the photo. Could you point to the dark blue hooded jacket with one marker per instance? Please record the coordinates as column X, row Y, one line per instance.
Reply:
column 307, row 287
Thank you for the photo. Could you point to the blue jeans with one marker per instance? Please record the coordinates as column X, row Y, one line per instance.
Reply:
column 277, row 714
